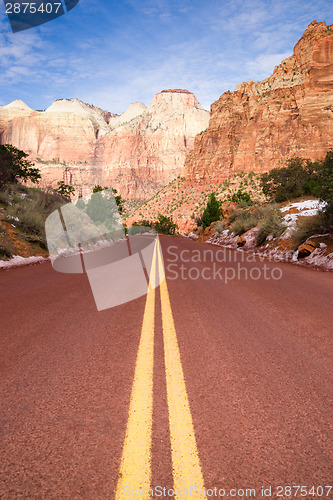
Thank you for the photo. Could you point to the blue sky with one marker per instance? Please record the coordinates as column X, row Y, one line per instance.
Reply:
column 111, row 53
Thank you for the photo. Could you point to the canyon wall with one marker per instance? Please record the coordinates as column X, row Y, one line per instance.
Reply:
column 136, row 152
column 255, row 128
column 260, row 125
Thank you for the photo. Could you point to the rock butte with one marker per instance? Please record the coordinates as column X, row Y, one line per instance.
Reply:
column 137, row 153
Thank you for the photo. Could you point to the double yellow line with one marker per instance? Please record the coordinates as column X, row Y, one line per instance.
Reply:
column 135, row 468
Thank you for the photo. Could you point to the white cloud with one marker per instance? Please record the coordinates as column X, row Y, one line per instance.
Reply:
column 18, row 55
column 206, row 48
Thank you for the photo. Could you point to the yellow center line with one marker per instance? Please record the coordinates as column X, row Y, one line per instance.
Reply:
column 135, row 468
column 187, row 472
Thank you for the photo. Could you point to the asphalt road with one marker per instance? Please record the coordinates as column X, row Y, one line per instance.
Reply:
column 230, row 386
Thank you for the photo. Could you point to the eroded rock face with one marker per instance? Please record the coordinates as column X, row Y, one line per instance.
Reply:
column 260, row 125
column 146, row 153
column 137, row 152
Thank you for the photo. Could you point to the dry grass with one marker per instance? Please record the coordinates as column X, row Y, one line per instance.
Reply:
column 23, row 212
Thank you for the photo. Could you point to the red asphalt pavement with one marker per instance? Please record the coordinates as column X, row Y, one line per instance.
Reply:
column 257, row 361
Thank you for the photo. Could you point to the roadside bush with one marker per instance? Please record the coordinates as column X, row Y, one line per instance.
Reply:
column 139, row 227
column 119, row 200
column 302, row 177
column 11, row 194
column 102, row 210
column 311, row 187
column 29, row 220
column 270, row 222
column 4, row 197
column 299, row 177
column 267, row 218
column 243, row 220
column 44, row 200
column 27, row 209
column 308, row 226
column 244, row 204
column 233, row 215
column 165, row 225
column 146, row 223
column 219, row 227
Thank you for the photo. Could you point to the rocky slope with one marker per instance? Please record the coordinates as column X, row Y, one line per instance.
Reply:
column 315, row 251
column 259, row 125
column 184, row 201
column 137, row 152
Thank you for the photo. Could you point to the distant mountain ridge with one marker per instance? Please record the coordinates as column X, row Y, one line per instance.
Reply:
column 136, row 152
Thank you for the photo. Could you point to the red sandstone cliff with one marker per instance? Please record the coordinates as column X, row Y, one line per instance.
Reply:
column 259, row 125
column 137, row 152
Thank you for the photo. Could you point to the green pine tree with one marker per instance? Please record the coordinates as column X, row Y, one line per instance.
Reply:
column 212, row 211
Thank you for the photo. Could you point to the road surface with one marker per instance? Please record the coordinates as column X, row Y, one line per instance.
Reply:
column 219, row 380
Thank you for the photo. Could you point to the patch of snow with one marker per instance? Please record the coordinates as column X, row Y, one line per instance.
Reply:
column 11, row 217
column 17, row 261
column 225, row 239
column 290, row 219
column 87, row 248
column 250, row 238
column 317, row 258
column 306, row 208
column 304, row 205
column 295, row 256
